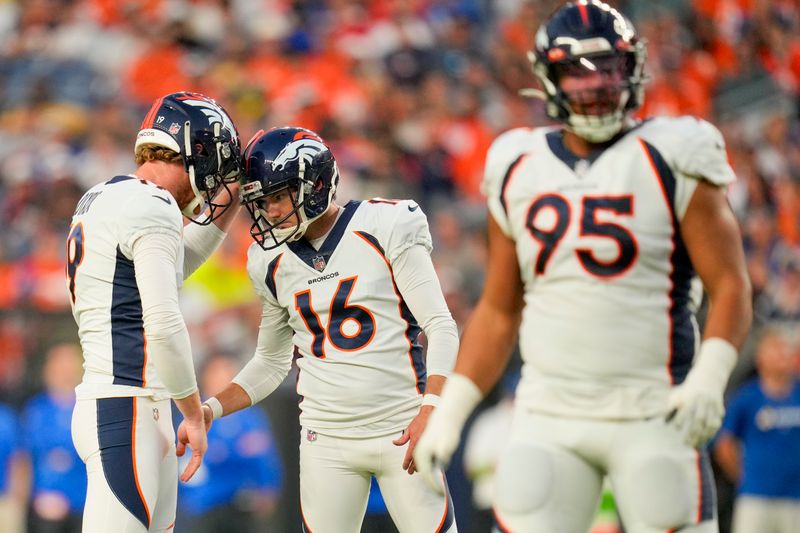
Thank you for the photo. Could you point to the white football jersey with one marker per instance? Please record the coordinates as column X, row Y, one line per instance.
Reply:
column 361, row 367
column 610, row 291
column 102, row 284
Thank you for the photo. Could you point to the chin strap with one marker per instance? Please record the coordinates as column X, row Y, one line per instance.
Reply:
column 198, row 201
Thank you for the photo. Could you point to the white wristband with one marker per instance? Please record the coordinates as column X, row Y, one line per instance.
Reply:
column 215, row 406
column 714, row 363
column 460, row 396
column 430, row 399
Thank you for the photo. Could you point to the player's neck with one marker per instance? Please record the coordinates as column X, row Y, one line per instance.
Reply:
column 580, row 146
column 170, row 176
column 323, row 224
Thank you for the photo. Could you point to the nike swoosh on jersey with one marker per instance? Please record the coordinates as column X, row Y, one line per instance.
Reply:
column 414, row 208
column 165, row 200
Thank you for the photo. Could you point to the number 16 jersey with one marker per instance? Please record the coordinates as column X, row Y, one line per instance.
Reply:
column 361, row 368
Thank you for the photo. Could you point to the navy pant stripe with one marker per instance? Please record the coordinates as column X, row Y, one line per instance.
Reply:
column 116, row 418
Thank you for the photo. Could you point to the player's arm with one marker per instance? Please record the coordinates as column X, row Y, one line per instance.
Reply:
column 155, row 255
column 491, row 332
column 711, row 235
column 486, row 346
column 199, row 242
column 265, row 370
column 419, row 286
column 728, row 454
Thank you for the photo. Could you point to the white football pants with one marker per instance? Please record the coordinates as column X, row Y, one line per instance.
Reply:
column 550, row 477
column 334, row 486
column 128, row 445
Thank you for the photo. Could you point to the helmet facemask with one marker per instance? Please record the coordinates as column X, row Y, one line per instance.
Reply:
column 212, row 165
column 596, row 94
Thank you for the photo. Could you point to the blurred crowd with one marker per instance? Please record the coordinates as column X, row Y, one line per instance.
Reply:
column 409, row 94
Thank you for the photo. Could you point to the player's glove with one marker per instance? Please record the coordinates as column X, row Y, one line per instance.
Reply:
column 440, row 438
column 695, row 406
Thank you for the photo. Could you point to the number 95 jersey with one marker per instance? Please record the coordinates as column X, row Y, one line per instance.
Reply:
column 610, row 291
column 361, row 367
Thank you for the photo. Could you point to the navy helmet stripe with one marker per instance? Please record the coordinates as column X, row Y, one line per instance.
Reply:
column 306, row 253
column 682, row 334
column 127, row 326
column 116, row 420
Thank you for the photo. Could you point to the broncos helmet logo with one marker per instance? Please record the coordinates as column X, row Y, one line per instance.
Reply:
column 210, row 109
column 304, row 148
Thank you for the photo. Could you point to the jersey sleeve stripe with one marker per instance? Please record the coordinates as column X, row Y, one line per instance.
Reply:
column 507, row 180
column 272, row 270
column 682, row 330
column 127, row 326
column 116, row 428
column 412, row 328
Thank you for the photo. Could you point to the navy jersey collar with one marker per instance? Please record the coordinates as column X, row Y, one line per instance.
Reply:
column 318, row 259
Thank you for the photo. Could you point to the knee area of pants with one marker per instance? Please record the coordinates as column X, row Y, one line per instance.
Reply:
column 524, row 480
column 660, row 495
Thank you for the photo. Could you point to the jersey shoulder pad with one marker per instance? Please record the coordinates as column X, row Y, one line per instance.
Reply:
column 146, row 208
column 398, row 225
column 691, row 146
column 502, row 154
column 263, row 264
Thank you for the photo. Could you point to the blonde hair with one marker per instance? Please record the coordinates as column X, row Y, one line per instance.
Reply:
column 152, row 152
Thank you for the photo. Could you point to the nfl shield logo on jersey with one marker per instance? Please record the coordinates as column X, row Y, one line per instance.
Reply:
column 174, row 128
column 319, row 263
column 311, row 435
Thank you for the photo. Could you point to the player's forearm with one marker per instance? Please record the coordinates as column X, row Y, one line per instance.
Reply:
column 232, row 399
column 190, row 407
column 730, row 312
column 435, row 384
column 262, row 375
column 486, row 345
column 199, row 242
column 728, row 457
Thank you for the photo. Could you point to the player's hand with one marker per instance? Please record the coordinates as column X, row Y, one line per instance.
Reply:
column 695, row 406
column 696, row 412
column 411, row 435
column 440, row 438
column 193, row 433
column 435, row 448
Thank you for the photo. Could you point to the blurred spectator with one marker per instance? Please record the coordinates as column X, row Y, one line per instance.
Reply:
column 237, row 487
column 13, row 476
column 58, row 490
column 759, row 444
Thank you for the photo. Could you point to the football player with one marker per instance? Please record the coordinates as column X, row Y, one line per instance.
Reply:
column 350, row 287
column 127, row 252
column 598, row 229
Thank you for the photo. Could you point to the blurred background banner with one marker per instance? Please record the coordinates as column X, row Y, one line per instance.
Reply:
column 409, row 94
